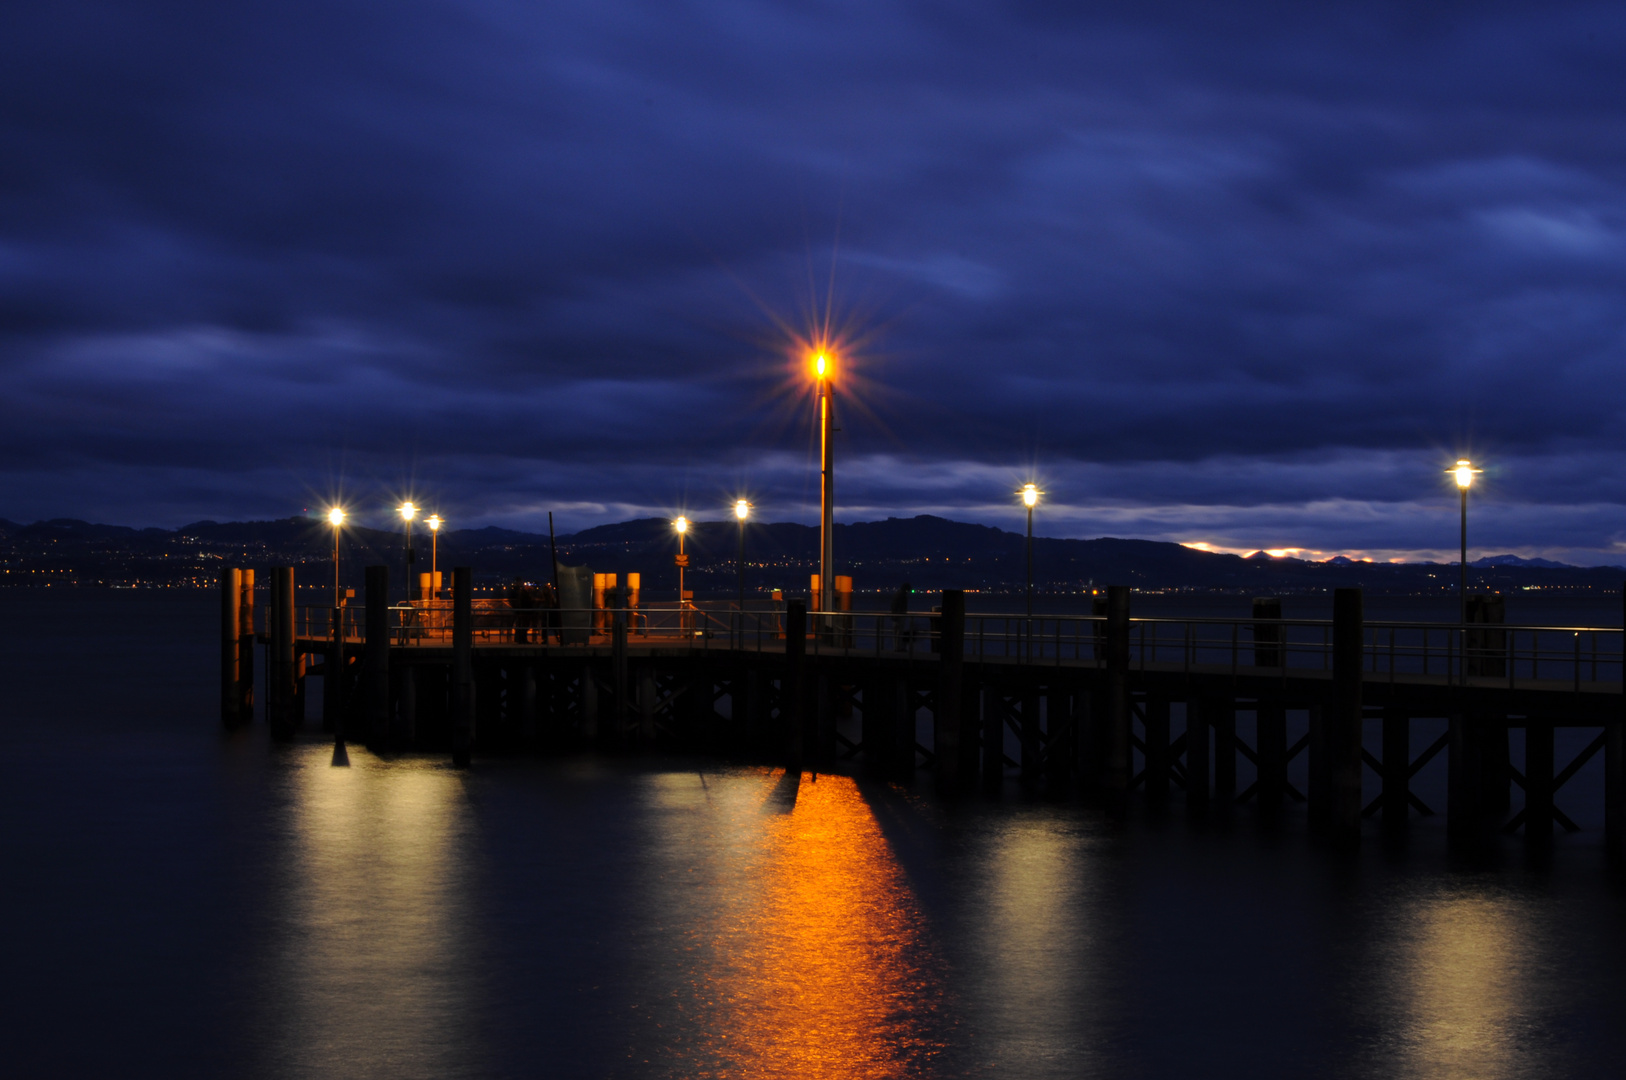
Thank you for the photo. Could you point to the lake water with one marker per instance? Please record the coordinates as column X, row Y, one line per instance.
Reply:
column 181, row 902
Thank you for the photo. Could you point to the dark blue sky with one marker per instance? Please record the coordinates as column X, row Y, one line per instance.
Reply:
column 1252, row 275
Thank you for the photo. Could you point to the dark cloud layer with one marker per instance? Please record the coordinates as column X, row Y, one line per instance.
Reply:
column 1246, row 274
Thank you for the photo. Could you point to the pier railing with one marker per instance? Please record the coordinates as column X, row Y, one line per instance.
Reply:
column 1480, row 654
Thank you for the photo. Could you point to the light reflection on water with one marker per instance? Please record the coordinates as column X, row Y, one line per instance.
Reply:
column 370, row 968
column 810, row 955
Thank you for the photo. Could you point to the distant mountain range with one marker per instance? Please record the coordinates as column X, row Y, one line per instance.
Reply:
column 930, row 553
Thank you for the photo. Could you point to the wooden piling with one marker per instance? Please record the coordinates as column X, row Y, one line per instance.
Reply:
column 993, row 740
column 1157, row 751
column 230, row 691
column 1538, row 781
column 375, row 674
column 283, row 675
column 1222, row 721
column 1198, row 713
column 952, row 776
column 1396, row 804
column 1116, row 736
column 462, row 666
column 792, row 693
column 245, row 646
column 1341, row 734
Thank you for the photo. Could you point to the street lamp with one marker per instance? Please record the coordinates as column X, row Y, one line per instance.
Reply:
column 335, row 518
column 824, row 369
column 1030, row 498
column 408, row 512
column 742, row 510
column 682, row 527
column 1464, row 473
column 434, row 522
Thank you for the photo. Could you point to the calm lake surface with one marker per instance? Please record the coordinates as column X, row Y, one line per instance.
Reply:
column 181, row 902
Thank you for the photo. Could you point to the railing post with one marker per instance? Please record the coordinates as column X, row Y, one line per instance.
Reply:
column 1119, row 760
column 463, row 665
column 376, row 669
column 230, row 689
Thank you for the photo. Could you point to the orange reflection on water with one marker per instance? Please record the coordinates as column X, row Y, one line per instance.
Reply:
column 827, row 970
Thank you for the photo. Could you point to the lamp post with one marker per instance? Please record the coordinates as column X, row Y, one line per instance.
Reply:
column 1030, row 498
column 335, row 518
column 742, row 510
column 408, row 512
column 434, row 522
column 824, row 368
column 1464, row 473
column 682, row 527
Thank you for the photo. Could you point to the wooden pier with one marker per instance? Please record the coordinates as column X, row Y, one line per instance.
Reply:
column 1076, row 706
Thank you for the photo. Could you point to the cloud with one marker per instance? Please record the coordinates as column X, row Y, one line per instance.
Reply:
column 1241, row 275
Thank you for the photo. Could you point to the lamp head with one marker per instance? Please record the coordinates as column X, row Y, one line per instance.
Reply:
column 408, row 511
column 434, row 523
column 742, row 509
column 681, row 525
column 1030, row 495
column 335, row 516
column 1464, row 473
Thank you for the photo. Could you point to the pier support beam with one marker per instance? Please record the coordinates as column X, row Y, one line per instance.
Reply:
column 1198, row 713
column 284, row 678
column 1538, row 781
column 230, row 691
column 1157, row 751
column 1340, row 741
column 953, row 775
column 1222, row 721
column 1117, row 746
column 375, row 673
column 1396, row 804
column 993, row 740
column 463, row 665
column 792, row 688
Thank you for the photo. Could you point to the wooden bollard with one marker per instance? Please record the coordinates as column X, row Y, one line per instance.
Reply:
column 1198, row 714
column 1116, row 737
column 283, row 675
column 230, row 692
column 376, row 658
column 952, row 777
column 1341, row 733
column 245, row 646
column 463, row 666
column 792, row 693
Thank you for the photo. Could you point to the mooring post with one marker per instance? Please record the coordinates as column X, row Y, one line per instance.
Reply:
column 792, row 694
column 1157, row 751
column 463, row 665
column 1119, row 759
column 950, row 691
column 283, row 675
column 1396, row 804
column 230, row 692
column 245, row 646
column 1341, row 720
column 1198, row 712
column 1538, row 781
column 376, row 658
